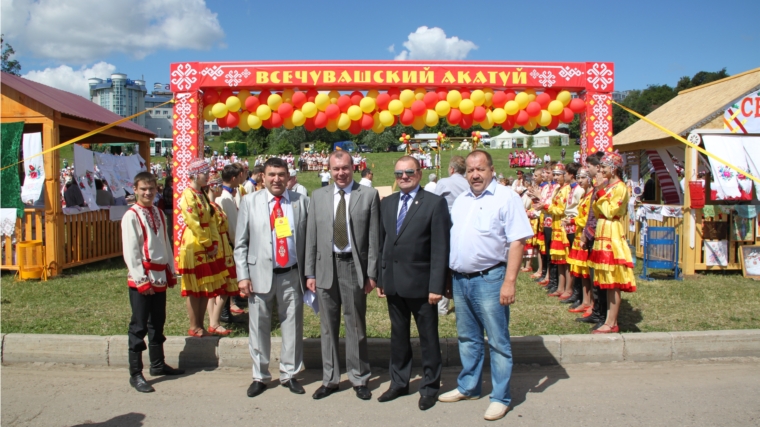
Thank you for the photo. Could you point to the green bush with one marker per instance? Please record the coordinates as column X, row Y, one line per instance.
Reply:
column 239, row 148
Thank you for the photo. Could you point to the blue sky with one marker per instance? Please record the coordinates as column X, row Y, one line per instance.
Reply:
column 650, row 42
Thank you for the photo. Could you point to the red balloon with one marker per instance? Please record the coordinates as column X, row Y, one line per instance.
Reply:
column 418, row 108
column 226, row 93
column 406, row 117
column 298, row 99
column 276, row 120
column 511, row 95
column 267, row 124
column 430, row 99
column 554, row 123
column 509, row 123
column 210, row 97
column 356, row 127
column 522, row 117
column 479, row 114
column 466, row 121
column 285, row 110
column 465, row 93
column 552, row 93
column 310, row 123
column 233, row 119
column 264, row 96
column 356, row 97
column 332, row 111
column 577, row 105
column 533, row 109
column 543, row 100
column 320, row 120
column 367, row 121
column 343, row 103
column 222, row 121
column 442, row 92
column 311, row 95
column 455, row 116
column 499, row 99
column 394, row 93
column 382, row 101
column 252, row 103
column 567, row 115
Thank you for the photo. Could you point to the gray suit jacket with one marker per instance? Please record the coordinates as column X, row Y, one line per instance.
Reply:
column 253, row 240
column 364, row 226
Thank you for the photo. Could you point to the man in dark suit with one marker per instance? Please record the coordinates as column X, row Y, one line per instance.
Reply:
column 414, row 237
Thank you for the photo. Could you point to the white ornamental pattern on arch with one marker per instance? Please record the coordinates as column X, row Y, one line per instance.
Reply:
column 183, row 155
column 602, row 125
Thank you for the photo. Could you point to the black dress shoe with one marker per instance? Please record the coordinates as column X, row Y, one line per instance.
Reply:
column 165, row 370
column 391, row 394
column 138, row 382
column 590, row 319
column 363, row 393
column 256, row 388
column 323, row 392
column 427, row 402
column 293, row 386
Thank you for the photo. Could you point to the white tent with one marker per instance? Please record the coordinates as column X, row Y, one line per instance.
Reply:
column 509, row 140
column 541, row 139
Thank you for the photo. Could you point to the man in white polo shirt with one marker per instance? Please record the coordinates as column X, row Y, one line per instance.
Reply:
column 488, row 233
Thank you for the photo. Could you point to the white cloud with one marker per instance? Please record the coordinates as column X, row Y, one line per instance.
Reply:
column 83, row 31
column 392, row 48
column 71, row 80
column 432, row 43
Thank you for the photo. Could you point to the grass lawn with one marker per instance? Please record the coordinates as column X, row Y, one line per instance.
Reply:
column 93, row 300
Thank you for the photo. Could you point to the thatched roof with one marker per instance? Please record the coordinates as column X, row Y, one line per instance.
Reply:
column 692, row 109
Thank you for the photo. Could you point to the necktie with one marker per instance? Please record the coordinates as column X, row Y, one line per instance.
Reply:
column 282, row 243
column 401, row 215
column 340, row 229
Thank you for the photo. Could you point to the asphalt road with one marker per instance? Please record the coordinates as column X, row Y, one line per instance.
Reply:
column 706, row 393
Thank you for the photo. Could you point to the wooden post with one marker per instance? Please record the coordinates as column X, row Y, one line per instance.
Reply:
column 54, row 233
column 144, row 150
column 689, row 226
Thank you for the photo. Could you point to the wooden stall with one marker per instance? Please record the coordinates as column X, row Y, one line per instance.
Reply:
column 693, row 113
column 69, row 240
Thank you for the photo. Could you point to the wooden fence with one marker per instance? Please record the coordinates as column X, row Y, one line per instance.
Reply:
column 30, row 227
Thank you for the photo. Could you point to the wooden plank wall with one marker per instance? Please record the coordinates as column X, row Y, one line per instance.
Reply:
column 30, row 227
column 89, row 237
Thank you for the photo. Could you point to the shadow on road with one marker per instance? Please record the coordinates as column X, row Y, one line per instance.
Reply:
column 131, row 419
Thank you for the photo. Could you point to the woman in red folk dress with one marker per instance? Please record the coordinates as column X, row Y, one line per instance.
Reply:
column 611, row 257
column 578, row 256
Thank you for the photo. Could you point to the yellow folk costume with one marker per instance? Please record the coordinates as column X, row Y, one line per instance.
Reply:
column 578, row 258
column 228, row 253
column 560, row 246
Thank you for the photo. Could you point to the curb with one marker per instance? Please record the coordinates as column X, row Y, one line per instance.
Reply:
column 214, row 352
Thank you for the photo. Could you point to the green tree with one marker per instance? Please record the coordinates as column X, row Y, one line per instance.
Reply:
column 700, row 78
column 10, row 66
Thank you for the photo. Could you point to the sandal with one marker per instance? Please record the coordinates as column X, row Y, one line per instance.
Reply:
column 579, row 309
column 216, row 331
column 565, row 296
column 236, row 310
column 199, row 333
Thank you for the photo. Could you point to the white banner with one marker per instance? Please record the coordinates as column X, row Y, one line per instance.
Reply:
column 34, row 168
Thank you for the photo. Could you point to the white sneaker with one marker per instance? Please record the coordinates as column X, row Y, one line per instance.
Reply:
column 455, row 396
column 496, row 411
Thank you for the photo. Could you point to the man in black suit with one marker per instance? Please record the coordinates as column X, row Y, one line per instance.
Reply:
column 414, row 239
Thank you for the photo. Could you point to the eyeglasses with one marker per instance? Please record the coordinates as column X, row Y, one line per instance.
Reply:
column 408, row 172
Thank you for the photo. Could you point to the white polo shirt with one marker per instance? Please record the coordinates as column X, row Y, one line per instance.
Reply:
column 484, row 226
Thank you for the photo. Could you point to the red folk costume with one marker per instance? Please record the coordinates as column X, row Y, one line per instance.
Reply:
column 559, row 246
column 147, row 249
column 577, row 258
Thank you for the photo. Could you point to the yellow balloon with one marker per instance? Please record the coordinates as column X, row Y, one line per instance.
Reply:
column 396, row 107
column 233, row 103
column 367, row 104
column 499, row 115
column 488, row 90
column 254, row 121
column 454, row 98
column 207, row 115
column 322, row 100
column 274, row 101
column 555, row 107
column 466, row 106
column 332, row 125
column 287, row 123
column 287, row 95
column 523, row 99
column 545, row 118
column 406, row 97
column 442, row 108
column 488, row 122
column 243, row 125
column 489, row 98
column 309, row 109
column 386, row 118
column 419, row 93
column 431, row 118
column 264, row 112
column 372, row 93
column 344, row 122
column 564, row 97
column 529, row 126
column 419, row 123
column 379, row 128
column 299, row 118
column 243, row 95
column 219, row 110
column 512, row 107
column 334, row 95
column 530, row 91
column 531, row 97
column 478, row 97
column 354, row 112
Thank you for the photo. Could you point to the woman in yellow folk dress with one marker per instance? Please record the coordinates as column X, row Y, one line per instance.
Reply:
column 534, row 214
column 201, row 263
column 578, row 257
column 611, row 257
column 559, row 246
column 216, row 304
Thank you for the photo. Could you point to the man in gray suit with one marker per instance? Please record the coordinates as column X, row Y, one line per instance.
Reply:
column 342, row 250
column 269, row 257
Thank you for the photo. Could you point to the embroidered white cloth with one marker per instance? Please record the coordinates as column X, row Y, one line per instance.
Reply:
column 728, row 148
column 716, row 252
column 8, row 221
column 34, row 171
column 107, row 167
column 116, row 213
column 752, row 148
column 84, row 167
